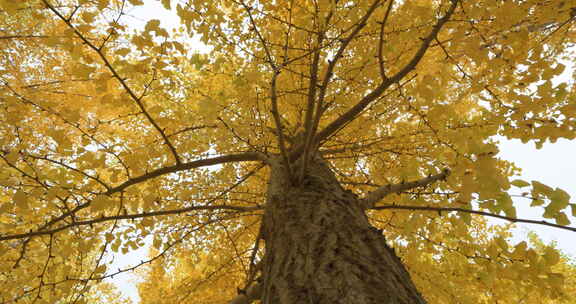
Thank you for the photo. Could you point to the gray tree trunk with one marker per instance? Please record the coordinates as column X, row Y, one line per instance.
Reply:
column 320, row 247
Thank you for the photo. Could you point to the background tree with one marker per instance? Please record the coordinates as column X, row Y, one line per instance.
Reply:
column 283, row 161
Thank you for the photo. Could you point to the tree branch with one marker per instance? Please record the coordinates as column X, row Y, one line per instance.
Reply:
column 313, row 114
column 62, row 164
column 375, row 196
column 309, row 116
column 452, row 209
column 249, row 156
column 381, row 43
column 125, row 217
column 137, row 100
column 273, row 90
column 248, row 10
column 386, row 83
column 278, row 123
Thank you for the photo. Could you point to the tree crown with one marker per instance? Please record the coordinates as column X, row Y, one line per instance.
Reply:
column 114, row 134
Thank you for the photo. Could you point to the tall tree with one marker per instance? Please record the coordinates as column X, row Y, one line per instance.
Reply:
column 321, row 151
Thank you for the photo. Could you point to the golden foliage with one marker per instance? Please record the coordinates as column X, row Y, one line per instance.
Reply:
column 118, row 133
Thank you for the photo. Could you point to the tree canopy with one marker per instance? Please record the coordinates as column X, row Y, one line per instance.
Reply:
column 114, row 137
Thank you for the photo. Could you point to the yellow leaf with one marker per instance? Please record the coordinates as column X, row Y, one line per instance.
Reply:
column 152, row 25
column 10, row 6
column 551, row 256
column 157, row 243
column 102, row 4
column 541, row 188
column 559, row 198
column 21, row 200
column 88, row 17
column 519, row 250
column 122, row 51
column 562, row 219
column 166, row 4
column 520, row 183
column 100, row 269
column 13, row 156
column 83, row 71
column 556, row 280
column 100, row 202
column 208, row 108
column 501, row 242
column 147, row 221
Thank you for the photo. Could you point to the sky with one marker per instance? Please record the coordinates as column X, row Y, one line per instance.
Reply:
column 553, row 165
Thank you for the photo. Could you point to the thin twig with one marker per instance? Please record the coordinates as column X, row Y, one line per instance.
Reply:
column 452, row 209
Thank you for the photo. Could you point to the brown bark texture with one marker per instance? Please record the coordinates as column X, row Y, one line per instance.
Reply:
column 320, row 247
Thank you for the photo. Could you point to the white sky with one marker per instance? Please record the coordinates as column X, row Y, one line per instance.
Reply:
column 553, row 165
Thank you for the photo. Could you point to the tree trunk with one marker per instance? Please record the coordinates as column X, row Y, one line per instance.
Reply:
column 320, row 247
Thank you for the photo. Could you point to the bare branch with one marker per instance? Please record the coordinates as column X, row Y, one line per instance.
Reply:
column 375, row 196
column 454, row 209
column 187, row 129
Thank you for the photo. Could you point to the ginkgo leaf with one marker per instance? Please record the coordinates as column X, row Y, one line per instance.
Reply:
column 122, row 51
column 562, row 219
column 557, row 280
column 123, row 136
column 157, row 243
column 100, row 202
column 166, row 4
column 12, row 156
column 520, row 183
column 520, row 249
column 10, row 6
column 100, row 269
column 208, row 108
column 551, row 256
column 88, row 17
column 21, row 200
column 541, row 188
column 501, row 242
column 559, row 199
column 102, row 4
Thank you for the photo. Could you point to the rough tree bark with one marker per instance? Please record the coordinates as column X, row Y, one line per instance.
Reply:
column 320, row 247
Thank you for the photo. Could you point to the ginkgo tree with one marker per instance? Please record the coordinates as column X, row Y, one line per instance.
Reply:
column 321, row 151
